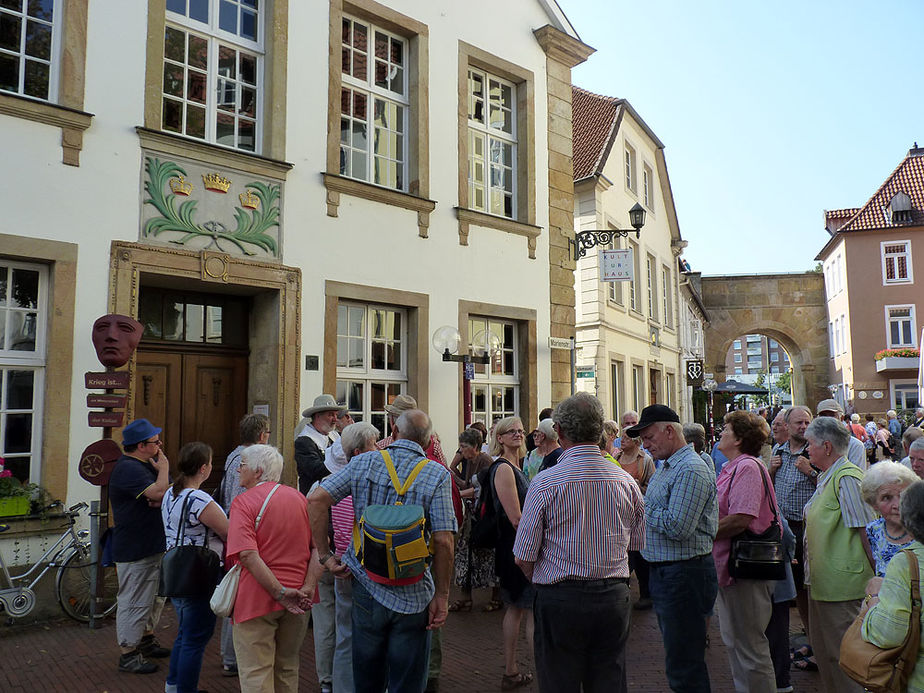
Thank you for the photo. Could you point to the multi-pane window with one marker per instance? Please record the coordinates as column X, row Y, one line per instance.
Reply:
column 634, row 285
column 617, row 377
column 198, row 318
column 23, row 314
column 631, row 174
column 652, row 289
column 371, row 360
column 647, row 182
column 492, row 144
column 496, row 385
column 896, row 262
column 637, row 388
column 738, row 357
column 373, row 105
column 900, row 324
column 666, row 295
column 28, row 33
column 213, row 63
column 905, row 395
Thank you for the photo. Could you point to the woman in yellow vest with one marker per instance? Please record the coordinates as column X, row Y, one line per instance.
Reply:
column 835, row 537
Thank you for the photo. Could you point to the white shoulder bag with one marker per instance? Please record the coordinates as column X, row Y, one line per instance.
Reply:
column 222, row 601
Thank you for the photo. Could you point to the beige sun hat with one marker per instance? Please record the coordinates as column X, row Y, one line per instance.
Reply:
column 322, row 403
column 401, row 404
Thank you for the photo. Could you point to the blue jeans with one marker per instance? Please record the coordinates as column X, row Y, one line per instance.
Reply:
column 389, row 649
column 683, row 593
column 581, row 632
column 195, row 625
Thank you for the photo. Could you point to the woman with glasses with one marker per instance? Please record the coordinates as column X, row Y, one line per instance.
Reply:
column 505, row 486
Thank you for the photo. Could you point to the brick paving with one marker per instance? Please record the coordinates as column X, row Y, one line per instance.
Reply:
column 62, row 655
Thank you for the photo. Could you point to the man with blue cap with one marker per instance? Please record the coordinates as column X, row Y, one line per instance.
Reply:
column 138, row 483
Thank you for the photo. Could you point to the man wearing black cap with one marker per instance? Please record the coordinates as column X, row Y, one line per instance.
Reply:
column 136, row 487
column 681, row 518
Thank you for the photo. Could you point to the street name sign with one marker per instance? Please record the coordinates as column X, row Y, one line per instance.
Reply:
column 560, row 343
column 585, row 372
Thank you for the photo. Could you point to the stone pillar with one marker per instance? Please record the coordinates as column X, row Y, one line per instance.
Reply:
column 562, row 53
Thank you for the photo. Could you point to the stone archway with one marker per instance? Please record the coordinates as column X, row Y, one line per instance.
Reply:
column 790, row 308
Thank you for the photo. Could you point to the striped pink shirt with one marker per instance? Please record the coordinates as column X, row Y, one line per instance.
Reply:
column 580, row 518
column 341, row 518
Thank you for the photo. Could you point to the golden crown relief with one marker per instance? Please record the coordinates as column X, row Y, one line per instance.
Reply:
column 249, row 200
column 180, row 186
column 216, row 182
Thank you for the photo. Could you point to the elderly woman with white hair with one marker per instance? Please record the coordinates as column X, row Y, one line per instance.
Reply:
column 275, row 587
column 882, row 488
column 546, row 438
column 835, row 538
column 887, row 621
column 916, row 457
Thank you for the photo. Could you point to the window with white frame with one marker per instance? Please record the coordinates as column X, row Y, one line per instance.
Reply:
column 831, row 343
column 635, row 284
column 666, row 295
column 652, row 289
column 617, row 380
column 631, row 173
column 492, row 144
column 496, row 385
column 896, row 262
column 647, row 183
column 374, row 106
column 738, row 371
column 213, row 71
column 669, row 387
column 23, row 316
column 637, row 388
column 371, row 360
column 904, row 394
column 900, row 326
column 843, row 329
column 29, row 32
column 838, row 274
column 738, row 357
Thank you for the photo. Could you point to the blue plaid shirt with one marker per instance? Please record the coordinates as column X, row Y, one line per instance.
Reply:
column 681, row 513
column 366, row 479
column 793, row 488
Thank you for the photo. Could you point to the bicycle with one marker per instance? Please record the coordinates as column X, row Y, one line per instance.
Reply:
column 73, row 579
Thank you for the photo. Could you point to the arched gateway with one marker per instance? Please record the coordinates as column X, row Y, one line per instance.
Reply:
column 790, row 308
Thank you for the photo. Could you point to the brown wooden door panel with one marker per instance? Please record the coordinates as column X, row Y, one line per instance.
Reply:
column 158, row 395
column 215, row 395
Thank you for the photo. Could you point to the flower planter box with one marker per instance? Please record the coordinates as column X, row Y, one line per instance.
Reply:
column 11, row 507
column 897, row 363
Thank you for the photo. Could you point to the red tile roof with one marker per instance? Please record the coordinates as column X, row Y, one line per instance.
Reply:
column 841, row 213
column 595, row 119
column 908, row 178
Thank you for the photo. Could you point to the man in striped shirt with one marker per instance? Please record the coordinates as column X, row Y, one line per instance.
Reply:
column 579, row 520
column 681, row 517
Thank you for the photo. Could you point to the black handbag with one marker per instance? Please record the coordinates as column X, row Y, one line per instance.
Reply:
column 758, row 556
column 187, row 570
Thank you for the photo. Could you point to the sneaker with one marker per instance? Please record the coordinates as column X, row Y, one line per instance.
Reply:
column 642, row 604
column 135, row 663
column 784, row 689
column 229, row 670
column 151, row 648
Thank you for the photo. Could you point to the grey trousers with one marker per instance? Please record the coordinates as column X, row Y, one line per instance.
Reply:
column 138, row 605
column 828, row 621
column 744, row 612
column 324, row 627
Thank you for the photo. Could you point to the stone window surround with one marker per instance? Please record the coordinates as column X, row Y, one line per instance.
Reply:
column 61, row 259
column 67, row 112
column 418, row 332
column 524, row 80
column 418, row 158
column 276, row 20
column 130, row 264
column 527, row 344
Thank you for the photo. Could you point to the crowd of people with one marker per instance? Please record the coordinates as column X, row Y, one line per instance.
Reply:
column 547, row 524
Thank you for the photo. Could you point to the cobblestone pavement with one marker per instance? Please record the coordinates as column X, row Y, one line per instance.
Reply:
column 63, row 656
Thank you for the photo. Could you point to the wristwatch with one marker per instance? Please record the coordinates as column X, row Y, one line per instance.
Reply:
column 814, row 473
column 326, row 557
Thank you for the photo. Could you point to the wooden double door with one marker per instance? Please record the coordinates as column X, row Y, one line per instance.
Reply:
column 192, row 396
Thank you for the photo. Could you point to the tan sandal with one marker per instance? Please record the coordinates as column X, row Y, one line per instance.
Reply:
column 493, row 605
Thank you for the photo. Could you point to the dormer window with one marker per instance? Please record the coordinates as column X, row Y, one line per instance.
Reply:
column 900, row 208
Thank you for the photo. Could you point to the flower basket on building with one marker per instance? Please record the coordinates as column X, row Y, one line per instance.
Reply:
column 897, row 359
column 16, row 505
column 17, row 498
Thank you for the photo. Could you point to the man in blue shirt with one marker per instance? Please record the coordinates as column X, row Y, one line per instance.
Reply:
column 138, row 482
column 681, row 518
column 392, row 623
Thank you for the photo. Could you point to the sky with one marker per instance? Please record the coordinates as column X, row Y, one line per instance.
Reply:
column 770, row 113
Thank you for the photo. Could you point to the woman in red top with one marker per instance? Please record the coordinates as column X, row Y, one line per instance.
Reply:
column 276, row 587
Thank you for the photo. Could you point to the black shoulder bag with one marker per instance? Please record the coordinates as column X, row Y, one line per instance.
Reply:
column 189, row 571
column 758, row 556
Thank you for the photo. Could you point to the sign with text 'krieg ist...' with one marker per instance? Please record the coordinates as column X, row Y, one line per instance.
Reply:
column 616, row 265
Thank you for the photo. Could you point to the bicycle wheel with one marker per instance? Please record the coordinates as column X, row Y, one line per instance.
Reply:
column 72, row 586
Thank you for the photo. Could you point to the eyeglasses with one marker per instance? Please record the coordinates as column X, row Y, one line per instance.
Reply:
column 517, row 432
column 159, row 443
